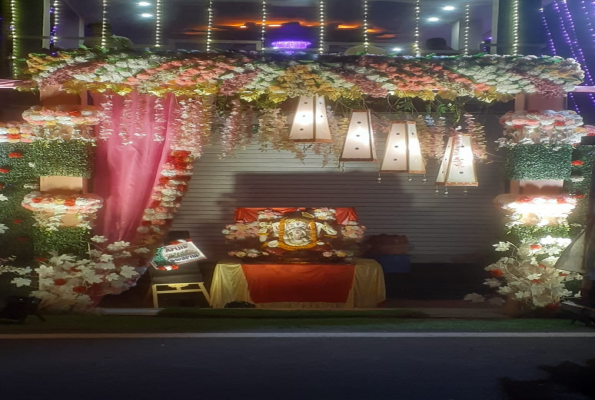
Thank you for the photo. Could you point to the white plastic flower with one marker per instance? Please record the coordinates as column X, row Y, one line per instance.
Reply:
column 99, row 239
column 128, row 271
column 502, row 246
column 18, row 282
column 493, row 283
column 475, row 298
column 3, row 228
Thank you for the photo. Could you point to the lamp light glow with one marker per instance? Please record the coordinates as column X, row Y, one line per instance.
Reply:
column 310, row 123
column 433, row 19
column 359, row 142
column 449, row 8
column 291, row 44
column 144, row 4
column 146, row 15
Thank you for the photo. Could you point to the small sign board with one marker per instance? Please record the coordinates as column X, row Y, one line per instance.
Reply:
column 178, row 253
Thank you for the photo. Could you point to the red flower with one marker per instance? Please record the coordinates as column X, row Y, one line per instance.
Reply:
column 497, row 273
column 14, row 136
column 536, row 280
column 17, row 221
column 164, row 180
column 23, row 239
column 535, row 247
column 59, row 282
column 79, row 289
column 70, row 202
column 175, row 267
column 577, row 162
column 36, row 200
column 155, row 203
column 561, row 200
column 579, row 196
column 542, row 266
column 74, row 113
column 563, row 274
column 146, row 223
column 162, row 269
column 524, row 199
column 4, row 170
column 559, row 123
column 15, row 155
column 1, row 186
column 40, row 259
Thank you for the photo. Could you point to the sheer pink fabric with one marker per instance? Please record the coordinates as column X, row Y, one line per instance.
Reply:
column 125, row 175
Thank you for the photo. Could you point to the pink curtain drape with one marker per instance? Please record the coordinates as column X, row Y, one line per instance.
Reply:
column 125, row 174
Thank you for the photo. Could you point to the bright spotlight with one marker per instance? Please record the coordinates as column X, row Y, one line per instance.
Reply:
column 433, row 19
column 146, row 15
column 448, row 8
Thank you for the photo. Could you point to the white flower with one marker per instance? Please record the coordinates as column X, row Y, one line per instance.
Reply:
column 106, row 258
column 32, row 165
column 23, row 271
column 21, row 282
column 502, row 246
column 117, row 246
column 3, row 228
column 141, row 250
column 112, row 277
column 493, row 283
column 475, row 298
column 533, row 277
column 496, row 301
column 128, row 271
column 99, row 239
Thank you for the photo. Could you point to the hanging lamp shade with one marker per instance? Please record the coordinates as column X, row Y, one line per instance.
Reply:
column 310, row 123
column 403, row 150
column 359, row 142
column 458, row 164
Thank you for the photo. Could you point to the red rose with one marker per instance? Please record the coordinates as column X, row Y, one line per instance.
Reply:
column 577, row 162
column 74, row 113
column 496, row 273
column 79, row 289
column 536, row 281
column 14, row 136
column 4, row 170
column 164, row 180
column 36, row 200
column 15, row 155
column 175, row 267
column 559, row 123
column 40, row 259
column 17, row 221
column 59, row 282
column 155, row 203
column 563, row 274
column 535, row 247
column 579, row 196
column 70, row 202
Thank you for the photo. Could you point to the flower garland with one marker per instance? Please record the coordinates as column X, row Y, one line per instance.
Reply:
column 546, row 127
column 68, row 283
column 193, row 125
column 16, row 132
column 70, row 204
column 71, row 115
column 486, row 77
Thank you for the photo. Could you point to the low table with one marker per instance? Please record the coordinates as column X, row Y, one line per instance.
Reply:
column 299, row 285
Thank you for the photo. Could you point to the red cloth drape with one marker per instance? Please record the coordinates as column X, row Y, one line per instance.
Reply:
column 343, row 214
column 314, row 283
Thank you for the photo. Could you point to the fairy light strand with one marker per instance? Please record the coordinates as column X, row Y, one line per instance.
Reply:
column 467, row 28
column 566, row 37
column 14, row 35
column 158, row 10
column 515, row 28
column 263, row 26
column 55, row 12
column 554, row 51
column 104, row 6
column 574, row 39
column 209, row 25
column 365, row 26
column 416, row 35
column 321, row 12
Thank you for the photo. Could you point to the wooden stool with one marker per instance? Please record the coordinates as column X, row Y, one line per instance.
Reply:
column 184, row 287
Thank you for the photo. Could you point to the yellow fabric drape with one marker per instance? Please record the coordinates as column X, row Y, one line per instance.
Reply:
column 229, row 284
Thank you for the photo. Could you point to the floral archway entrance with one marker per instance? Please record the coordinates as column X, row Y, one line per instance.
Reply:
column 155, row 113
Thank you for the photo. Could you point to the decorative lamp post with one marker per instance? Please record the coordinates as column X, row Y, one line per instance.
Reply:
column 403, row 150
column 359, row 142
column 458, row 164
column 310, row 123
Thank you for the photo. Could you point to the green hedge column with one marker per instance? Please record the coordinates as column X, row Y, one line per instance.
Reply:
column 532, row 162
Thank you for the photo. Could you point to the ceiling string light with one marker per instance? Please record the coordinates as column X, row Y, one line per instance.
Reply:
column 158, row 9
column 55, row 13
column 467, row 28
column 263, row 25
column 209, row 25
column 515, row 27
column 554, row 52
column 566, row 37
column 365, row 26
column 14, row 35
column 416, row 36
column 575, row 42
column 321, row 31
column 104, row 5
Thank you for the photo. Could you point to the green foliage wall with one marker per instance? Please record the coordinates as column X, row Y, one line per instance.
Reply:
column 538, row 161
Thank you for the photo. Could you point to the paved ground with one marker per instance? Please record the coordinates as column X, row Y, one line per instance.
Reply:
column 286, row 368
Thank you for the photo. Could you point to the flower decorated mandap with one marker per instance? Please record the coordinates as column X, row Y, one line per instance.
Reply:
column 153, row 114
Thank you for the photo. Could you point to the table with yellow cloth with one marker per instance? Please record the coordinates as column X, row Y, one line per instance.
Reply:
column 367, row 290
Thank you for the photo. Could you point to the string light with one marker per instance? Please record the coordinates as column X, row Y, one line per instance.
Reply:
column 263, row 27
column 467, row 27
column 366, row 41
column 209, row 25
column 566, row 37
column 55, row 12
column 321, row 31
column 416, row 48
column 158, row 9
column 104, row 4
column 515, row 27
column 14, row 22
column 554, row 52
